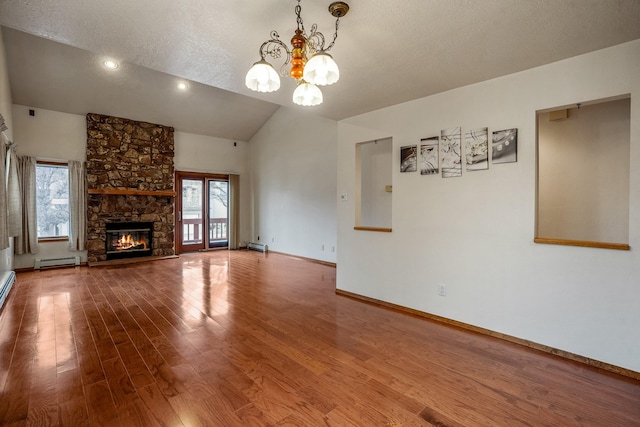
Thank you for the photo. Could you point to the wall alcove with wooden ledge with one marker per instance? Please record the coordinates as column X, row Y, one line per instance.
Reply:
column 373, row 190
column 583, row 174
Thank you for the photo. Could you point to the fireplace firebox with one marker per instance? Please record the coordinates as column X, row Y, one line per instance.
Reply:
column 129, row 239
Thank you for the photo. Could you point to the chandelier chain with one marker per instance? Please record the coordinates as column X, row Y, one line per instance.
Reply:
column 335, row 35
column 299, row 18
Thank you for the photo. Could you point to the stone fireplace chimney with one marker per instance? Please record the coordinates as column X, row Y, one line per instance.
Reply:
column 130, row 177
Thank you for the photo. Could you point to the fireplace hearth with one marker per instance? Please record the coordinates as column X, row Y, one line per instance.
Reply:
column 128, row 239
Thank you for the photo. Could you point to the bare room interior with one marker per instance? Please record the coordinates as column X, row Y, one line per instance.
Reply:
column 305, row 213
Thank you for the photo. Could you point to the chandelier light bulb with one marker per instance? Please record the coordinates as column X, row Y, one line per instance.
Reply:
column 321, row 70
column 307, row 94
column 262, row 77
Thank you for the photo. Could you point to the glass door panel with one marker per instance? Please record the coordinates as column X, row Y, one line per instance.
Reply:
column 191, row 215
column 218, row 213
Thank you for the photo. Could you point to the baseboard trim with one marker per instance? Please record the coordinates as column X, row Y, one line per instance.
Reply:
column 53, row 267
column 526, row 343
column 313, row 260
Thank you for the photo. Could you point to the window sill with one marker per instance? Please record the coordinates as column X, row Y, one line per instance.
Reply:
column 53, row 239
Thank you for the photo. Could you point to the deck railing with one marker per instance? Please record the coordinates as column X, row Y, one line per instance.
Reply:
column 192, row 230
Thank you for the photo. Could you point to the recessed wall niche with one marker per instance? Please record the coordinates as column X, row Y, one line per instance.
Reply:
column 374, row 173
column 583, row 153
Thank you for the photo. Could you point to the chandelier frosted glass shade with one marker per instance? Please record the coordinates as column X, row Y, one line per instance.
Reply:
column 307, row 94
column 262, row 77
column 321, row 70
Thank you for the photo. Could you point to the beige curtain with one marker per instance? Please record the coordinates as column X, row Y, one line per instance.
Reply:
column 77, row 206
column 234, row 210
column 14, row 199
column 27, row 241
column 4, row 229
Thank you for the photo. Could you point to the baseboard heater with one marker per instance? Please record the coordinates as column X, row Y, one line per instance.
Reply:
column 257, row 247
column 7, row 280
column 56, row 262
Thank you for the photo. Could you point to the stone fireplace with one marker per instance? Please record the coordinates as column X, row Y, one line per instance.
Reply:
column 130, row 174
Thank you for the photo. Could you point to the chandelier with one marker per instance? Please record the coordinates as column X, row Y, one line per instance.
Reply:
column 311, row 65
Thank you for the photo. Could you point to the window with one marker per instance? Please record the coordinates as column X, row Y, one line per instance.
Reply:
column 52, row 200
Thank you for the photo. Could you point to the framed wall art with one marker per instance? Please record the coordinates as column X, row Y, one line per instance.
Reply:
column 476, row 149
column 450, row 152
column 409, row 158
column 504, row 146
column 429, row 157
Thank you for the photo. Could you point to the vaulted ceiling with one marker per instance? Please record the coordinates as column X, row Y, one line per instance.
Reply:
column 388, row 52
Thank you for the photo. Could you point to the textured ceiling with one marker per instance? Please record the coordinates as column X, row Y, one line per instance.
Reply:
column 388, row 52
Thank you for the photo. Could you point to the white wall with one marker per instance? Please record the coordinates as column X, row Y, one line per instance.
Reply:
column 199, row 153
column 5, row 90
column 50, row 134
column 293, row 160
column 475, row 233
column 6, row 255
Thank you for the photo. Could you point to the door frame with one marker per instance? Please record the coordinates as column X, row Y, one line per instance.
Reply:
column 205, row 178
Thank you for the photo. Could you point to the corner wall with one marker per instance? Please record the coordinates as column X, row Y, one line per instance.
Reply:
column 474, row 234
column 293, row 163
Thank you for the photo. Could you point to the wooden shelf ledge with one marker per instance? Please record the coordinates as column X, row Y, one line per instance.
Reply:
column 586, row 244
column 378, row 229
column 131, row 192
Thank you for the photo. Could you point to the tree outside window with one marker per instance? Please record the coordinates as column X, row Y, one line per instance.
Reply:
column 52, row 200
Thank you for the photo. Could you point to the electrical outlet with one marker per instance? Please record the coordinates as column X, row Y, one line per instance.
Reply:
column 442, row 290
column 333, row 248
column 322, row 247
column 273, row 239
column 344, row 197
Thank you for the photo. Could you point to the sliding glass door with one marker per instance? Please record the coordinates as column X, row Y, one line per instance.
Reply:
column 218, row 201
column 202, row 211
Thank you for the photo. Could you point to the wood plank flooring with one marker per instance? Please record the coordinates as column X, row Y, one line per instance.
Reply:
column 244, row 338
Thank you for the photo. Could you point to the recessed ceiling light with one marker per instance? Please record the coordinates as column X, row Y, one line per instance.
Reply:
column 183, row 85
column 110, row 64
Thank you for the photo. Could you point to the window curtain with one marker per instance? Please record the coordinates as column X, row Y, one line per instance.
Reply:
column 234, row 210
column 27, row 241
column 14, row 201
column 4, row 227
column 77, row 206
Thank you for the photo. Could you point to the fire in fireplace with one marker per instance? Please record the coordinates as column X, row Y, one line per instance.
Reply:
column 129, row 239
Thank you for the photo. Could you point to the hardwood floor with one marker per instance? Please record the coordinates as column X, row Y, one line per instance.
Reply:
column 242, row 338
